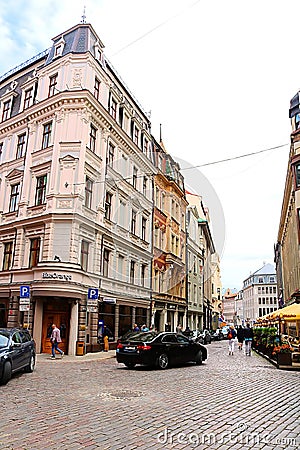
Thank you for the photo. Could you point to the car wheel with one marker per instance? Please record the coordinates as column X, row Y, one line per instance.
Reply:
column 31, row 365
column 129, row 365
column 198, row 358
column 162, row 361
column 6, row 376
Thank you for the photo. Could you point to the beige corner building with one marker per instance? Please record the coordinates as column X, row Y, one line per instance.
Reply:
column 287, row 253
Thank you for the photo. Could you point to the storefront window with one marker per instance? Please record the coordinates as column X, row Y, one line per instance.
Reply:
column 106, row 317
column 125, row 319
column 141, row 316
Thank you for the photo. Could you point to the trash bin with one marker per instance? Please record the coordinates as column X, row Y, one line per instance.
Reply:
column 79, row 348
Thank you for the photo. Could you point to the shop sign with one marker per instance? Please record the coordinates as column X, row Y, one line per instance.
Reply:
column 110, row 300
column 57, row 276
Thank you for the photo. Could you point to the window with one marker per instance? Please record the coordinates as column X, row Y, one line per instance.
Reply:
column 122, row 214
column 7, row 255
column 46, row 135
column 143, row 273
column 145, row 146
column 133, row 222
column 6, row 110
column 145, row 184
column 132, row 270
column 110, row 155
column 144, row 225
column 34, row 251
column 28, row 98
column 134, row 177
column 136, row 136
column 84, row 255
column 1, row 148
column 272, row 279
column 108, row 199
column 88, row 192
column 21, row 145
column 52, row 85
column 113, row 108
column 97, row 88
column 93, row 136
column 260, row 280
column 106, row 255
column 120, row 267
column 14, row 197
column 40, row 194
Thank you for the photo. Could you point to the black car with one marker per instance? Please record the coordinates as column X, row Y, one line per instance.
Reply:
column 159, row 350
column 17, row 352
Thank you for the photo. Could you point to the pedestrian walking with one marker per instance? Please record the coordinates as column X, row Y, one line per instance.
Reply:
column 248, row 338
column 106, row 335
column 55, row 340
column 231, row 335
column 240, row 337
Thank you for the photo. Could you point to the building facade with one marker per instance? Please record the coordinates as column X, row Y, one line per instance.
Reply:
column 169, row 303
column 260, row 293
column 76, row 195
column 287, row 255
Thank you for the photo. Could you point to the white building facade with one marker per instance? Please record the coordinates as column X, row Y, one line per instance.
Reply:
column 75, row 195
column 260, row 293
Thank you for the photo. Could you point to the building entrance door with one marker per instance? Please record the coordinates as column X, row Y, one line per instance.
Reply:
column 61, row 320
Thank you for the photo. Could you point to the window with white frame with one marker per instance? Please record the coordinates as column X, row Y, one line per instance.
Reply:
column 52, row 85
column 14, row 197
column 133, row 222
column 97, row 88
column 6, row 111
column 93, row 137
column 84, row 255
column 113, row 108
column 134, row 177
column 88, row 192
column 144, row 228
column 28, row 98
column 108, row 205
column 47, row 130
column 40, row 192
column 132, row 272
column 106, row 258
column 21, row 145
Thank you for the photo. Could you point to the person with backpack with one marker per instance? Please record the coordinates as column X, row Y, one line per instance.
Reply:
column 231, row 335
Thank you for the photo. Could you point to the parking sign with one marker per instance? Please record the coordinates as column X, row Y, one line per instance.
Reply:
column 93, row 294
column 24, row 291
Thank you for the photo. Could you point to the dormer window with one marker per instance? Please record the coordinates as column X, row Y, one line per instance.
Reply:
column 28, row 97
column 6, row 112
column 58, row 48
column 98, row 51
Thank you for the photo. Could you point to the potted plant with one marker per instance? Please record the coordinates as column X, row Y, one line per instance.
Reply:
column 283, row 353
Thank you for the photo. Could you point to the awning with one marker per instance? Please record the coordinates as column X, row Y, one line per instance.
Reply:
column 291, row 313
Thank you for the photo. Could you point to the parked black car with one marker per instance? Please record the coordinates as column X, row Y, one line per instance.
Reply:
column 17, row 352
column 159, row 350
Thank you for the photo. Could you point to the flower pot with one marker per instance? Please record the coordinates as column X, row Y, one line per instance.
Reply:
column 284, row 359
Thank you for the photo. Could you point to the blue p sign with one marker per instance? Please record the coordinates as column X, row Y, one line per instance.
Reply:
column 93, row 294
column 24, row 291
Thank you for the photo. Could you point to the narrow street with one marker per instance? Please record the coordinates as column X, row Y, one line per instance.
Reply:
column 229, row 402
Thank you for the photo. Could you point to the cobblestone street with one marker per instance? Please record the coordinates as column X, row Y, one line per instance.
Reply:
column 229, row 402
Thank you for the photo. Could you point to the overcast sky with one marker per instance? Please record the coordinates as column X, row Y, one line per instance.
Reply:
column 218, row 75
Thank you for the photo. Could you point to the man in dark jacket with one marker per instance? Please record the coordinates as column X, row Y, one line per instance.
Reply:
column 248, row 338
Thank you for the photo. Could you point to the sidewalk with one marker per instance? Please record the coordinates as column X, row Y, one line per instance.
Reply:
column 68, row 358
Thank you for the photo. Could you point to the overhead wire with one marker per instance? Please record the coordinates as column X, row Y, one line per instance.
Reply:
column 169, row 19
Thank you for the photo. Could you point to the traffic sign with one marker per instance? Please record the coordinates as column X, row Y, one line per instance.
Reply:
column 24, row 301
column 24, row 291
column 93, row 294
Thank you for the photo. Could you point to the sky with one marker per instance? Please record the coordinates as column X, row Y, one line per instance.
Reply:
column 218, row 76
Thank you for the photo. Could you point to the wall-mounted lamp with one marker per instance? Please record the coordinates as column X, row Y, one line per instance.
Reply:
column 57, row 258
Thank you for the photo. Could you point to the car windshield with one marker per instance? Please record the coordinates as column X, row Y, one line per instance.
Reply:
column 142, row 337
column 4, row 338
